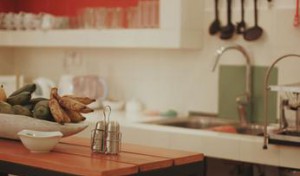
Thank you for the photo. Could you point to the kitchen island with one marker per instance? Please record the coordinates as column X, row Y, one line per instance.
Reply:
column 73, row 156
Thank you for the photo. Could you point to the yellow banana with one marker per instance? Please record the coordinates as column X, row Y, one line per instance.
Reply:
column 3, row 96
column 59, row 114
column 54, row 94
column 73, row 105
column 83, row 100
column 86, row 110
column 75, row 116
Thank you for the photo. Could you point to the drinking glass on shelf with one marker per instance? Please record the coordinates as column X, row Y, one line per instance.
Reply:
column 47, row 21
column 145, row 13
column 117, row 18
column 139, row 16
column 155, row 12
column 27, row 21
column 8, row 21
column 108, row 18
column 100, row 17
column 37, row 21
column 86, row 18
column 74, row 22
column 18, row 20
column 131, row 17
column 150, row 13
column 1, row 20
column 61, row 22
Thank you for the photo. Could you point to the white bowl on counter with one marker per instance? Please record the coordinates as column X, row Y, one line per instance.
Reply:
column 39, row 141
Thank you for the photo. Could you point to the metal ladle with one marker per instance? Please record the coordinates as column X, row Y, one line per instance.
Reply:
column 241, row 26
column 228, row 30
column 255, row 32
column 216, row 25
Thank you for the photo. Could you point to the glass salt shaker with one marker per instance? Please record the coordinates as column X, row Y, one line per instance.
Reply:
column 113, row 138
column 98, row 138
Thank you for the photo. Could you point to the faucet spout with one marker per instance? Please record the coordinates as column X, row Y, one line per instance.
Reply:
column 244, row 99
column 266, row 96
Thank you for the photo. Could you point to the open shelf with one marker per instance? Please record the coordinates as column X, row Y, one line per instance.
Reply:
column 180, row 27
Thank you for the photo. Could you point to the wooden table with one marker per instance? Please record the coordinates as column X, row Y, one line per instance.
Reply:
column 73, row 156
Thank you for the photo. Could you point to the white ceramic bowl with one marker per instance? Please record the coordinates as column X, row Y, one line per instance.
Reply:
column 39, row 141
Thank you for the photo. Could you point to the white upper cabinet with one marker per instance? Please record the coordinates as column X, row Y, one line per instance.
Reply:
column 181, row 23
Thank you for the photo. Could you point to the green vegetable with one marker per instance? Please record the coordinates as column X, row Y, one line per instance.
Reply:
column 20, row 110
column 42, row 111
column 27, row 88
column 6, row 108
column 19, row 99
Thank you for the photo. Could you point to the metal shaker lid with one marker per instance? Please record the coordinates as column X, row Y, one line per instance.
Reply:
column 100, row 125
column 113, row 126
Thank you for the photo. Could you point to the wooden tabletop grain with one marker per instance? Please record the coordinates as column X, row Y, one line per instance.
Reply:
column 73, row 156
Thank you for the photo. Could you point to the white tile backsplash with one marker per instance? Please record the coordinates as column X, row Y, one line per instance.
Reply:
column 6, row 61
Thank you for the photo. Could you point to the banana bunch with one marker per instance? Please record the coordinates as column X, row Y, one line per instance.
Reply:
column 68, row 108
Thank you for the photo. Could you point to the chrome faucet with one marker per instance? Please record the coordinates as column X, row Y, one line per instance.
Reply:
column 244, row 100
column 283, row 120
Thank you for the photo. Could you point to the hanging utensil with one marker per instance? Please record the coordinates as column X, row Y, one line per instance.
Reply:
column 228, row 30
column 241, row 26
column 255, row 32
column 296, row 18
column 216, row 25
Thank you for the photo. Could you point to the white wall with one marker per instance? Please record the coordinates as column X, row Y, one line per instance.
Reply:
column 179, row 79
column 6, row 61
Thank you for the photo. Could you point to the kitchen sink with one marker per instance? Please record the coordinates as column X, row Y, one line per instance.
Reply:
column 251, row 129
column 212, row 124
column 192, row 122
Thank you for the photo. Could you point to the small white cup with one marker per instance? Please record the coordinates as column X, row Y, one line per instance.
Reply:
column 18, row 21
column 8, row 21
column 47, row 21
column 28, row 21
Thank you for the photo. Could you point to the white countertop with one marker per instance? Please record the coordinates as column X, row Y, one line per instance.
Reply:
column 213, row 144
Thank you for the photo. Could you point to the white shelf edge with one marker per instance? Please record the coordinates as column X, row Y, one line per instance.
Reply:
column 125, row 38
column 295, row 88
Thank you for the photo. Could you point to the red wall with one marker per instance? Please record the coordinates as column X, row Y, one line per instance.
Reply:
column 7, row 5
column 59, row 7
